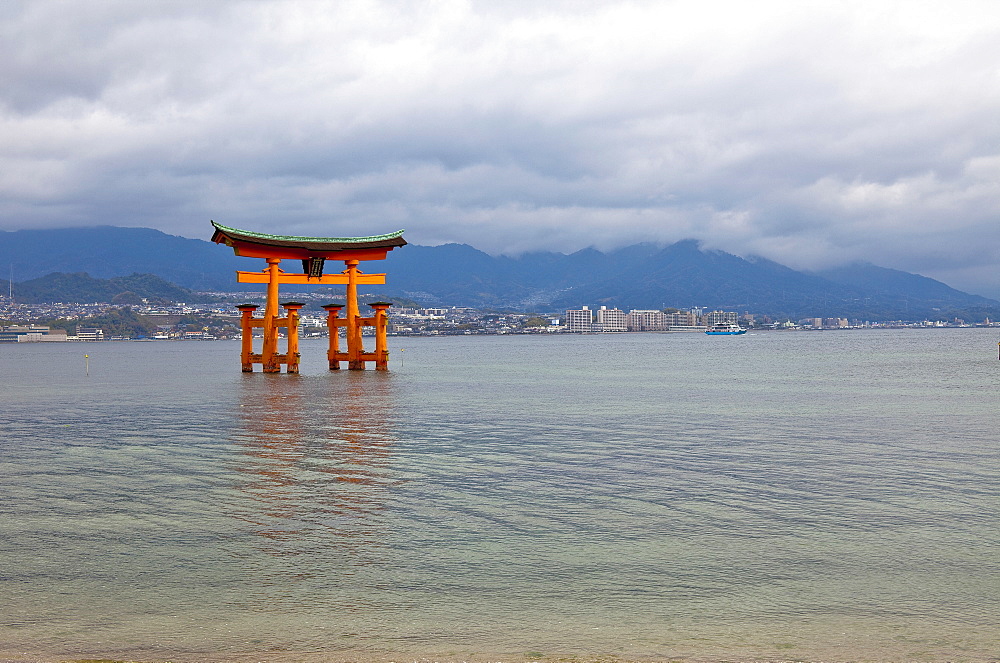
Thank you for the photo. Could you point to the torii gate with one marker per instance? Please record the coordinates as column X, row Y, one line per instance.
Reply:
column 313, row 252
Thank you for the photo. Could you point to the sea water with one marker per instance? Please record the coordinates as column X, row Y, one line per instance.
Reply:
column 815, row 495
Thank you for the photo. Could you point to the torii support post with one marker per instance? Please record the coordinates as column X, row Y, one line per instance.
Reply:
column 292, row 322
column 246, row 326
column 333, row 327
column 381, row 343
column 270, row 351
column 355, row 346
column 380, row 321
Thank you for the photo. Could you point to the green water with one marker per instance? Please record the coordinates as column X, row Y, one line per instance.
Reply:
column 788, row 495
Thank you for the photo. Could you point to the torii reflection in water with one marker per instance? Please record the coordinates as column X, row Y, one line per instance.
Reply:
column 315, row 463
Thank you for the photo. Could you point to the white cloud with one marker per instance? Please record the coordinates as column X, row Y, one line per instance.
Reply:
column 807, row 132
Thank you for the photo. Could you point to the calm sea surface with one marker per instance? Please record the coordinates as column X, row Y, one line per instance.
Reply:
column 796, row 495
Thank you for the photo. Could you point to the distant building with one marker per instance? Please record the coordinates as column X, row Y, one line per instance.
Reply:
column 610, row 319
column 680, row 319
column 720, row 318
column 31, row 334
column 579, row 320
column 641, row 320
column 311, row 321
column 89, row 334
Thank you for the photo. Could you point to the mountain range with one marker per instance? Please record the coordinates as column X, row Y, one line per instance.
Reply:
column 83, row 288
column 645, row 276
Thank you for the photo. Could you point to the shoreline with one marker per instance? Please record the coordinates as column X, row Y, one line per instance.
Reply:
column 458, row 655
column 316, row 657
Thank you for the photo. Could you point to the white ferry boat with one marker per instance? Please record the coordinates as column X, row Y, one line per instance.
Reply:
column 725, row 330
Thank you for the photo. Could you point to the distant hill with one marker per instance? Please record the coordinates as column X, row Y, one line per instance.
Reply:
column 108, row 251
column 680, row 275
column 638, row 276
column 83, row 288
column 867, row 276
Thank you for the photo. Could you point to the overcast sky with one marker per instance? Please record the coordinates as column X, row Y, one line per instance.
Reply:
column 811, row 133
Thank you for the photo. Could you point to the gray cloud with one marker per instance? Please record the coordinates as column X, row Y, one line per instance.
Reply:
column 808, row 133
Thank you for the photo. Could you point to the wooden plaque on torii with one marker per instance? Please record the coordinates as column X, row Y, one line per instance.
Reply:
column 313, row 252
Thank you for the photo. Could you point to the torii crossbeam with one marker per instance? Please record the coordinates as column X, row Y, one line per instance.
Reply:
column 313, row 252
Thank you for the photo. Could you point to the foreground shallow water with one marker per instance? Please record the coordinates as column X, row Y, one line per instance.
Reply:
column 812, row 495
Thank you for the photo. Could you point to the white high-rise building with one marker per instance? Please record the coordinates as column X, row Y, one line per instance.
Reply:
column 640, row 320
column 720, row 318
column 680, row 319
column 579, row 320
column 610, row 319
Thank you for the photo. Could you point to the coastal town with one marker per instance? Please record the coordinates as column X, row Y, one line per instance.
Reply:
column 58, row 322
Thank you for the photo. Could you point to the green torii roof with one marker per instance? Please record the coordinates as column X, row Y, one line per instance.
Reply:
column 247, row 242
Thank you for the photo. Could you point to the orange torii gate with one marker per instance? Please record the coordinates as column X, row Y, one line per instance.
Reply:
column 313, row 252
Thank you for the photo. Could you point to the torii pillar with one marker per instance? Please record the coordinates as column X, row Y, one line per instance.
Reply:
column 313, row 252
column 356, row 355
